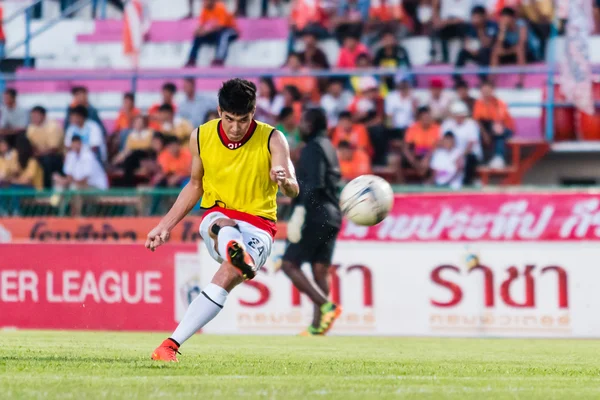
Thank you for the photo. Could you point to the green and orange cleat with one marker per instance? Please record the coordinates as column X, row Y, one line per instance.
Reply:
column 167, row 351
column 312, row 331
column 239, row 257
column 329, row 313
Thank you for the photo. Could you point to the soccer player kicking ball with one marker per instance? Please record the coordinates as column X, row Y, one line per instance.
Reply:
column 316, row 220
column 238, row 166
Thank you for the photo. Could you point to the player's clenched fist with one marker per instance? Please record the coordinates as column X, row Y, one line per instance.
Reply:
column 157, row 237
column 278, row 175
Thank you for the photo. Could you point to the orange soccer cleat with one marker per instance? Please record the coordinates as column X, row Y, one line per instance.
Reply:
column 329, row 313
column 239, row 257
column 166, row 351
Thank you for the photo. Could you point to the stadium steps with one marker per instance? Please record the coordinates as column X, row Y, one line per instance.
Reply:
column 525, row 154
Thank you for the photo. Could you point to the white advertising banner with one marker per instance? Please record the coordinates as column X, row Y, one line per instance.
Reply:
column 527, row 289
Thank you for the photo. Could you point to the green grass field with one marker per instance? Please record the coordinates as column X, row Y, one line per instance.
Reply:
column 90, row 365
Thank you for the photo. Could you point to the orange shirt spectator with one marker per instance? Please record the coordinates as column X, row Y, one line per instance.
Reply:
column 179, row 164
column 217, row 16
column 386, row 10
column 305, row 12
column 307, row 85
column 353, row 162
column 355, row 134
column 168, row 94
column 495, row 110
column 422, row 139
column 350, row 51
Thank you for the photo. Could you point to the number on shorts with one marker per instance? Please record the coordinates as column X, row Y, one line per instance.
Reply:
column 257, row 245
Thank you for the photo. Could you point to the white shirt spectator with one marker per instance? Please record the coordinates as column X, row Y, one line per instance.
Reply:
column 91, row 136
column 85, row 165
column 445, row 169
column 14, row 118
column 400, row 109
column 333, row 106
column 464, row 133
column 440, row 107
column 267, row 111
column 456, row 9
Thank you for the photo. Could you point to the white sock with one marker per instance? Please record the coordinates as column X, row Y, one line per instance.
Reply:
column 202, row 310
column 226, row 235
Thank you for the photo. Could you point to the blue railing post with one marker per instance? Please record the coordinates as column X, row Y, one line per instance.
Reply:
column 551, row 59
column 103, row 10
column 134, row 80
column 27, row 37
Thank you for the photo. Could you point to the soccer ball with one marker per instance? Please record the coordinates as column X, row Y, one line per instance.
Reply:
column 367, row 200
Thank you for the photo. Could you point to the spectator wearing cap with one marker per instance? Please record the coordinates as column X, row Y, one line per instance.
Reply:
column 447, row 163
column 307, row 85
column 89, row 132
column 175, row 163
column 495, row 122
column 400, row 107
column 391, row 55
column 216, row 26
column 168, row 97
column 194, row 105
column 467, row 137
column 350, row 18
column 13, row 119
column 307, row 16
column 46, row 137
column 351, row 49
column 82, row 169
column 354, row 133
column 364, row 61
column 439, row 100
column 335, row 101
column 420, row 141
column 481, row 36
column 368, row 105
column 449, row 22
column 170, row 125
column 81, row 98
column 354, row 162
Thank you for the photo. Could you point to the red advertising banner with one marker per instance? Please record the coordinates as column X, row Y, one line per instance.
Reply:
column 88, row 286
column 486, row 217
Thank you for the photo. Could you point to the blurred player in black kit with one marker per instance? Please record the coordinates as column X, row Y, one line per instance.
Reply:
column 316, row 219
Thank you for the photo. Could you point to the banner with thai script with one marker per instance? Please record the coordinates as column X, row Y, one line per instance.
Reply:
column 486, row 217
column 89, row 286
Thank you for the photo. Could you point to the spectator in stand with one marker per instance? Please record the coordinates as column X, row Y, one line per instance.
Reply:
column 175, row 164
column 194, row 106
column 264, row 7
column 8, row 159
column 149, row 164
column 539, row 15
column 137, row 147
column 420, row 141
column 173, row 126
column 447, row 163
column 89, row 132
column 462, row 93
column 350, row 51
column 515, row 44
column 293, row 98
column 127, row 113
column 449, row 22
column 46, row 137
column 368, row 105
column 481, row 36
column 168, row 97
column 307, row 85
column 27, row 172
column 391, row 55
column 307, row 16
column 13, row 119
column 354, row 133
column 385, row 16
column 269, row 103
column 467, row 139
column 354, row 162
column 350, row 18
column 495, row 123
column 363, row 61
column 218, row 27
column 335, row 101
column 312, row 56
column 439, row 100
column 288, row 125
column 400, row 107
column 80, row 98
column 82, row 169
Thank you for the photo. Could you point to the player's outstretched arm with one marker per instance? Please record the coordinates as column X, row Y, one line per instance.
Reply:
column 187, row 199
column 282, row 169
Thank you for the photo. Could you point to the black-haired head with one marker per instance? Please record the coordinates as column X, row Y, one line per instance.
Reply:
column 237, row 97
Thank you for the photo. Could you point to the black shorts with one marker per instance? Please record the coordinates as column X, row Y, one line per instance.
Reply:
column 315, row 246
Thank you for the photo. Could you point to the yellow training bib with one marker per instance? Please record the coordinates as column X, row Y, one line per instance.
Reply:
column 237, row 175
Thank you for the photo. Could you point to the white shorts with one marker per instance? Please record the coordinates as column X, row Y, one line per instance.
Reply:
column 257, row 241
